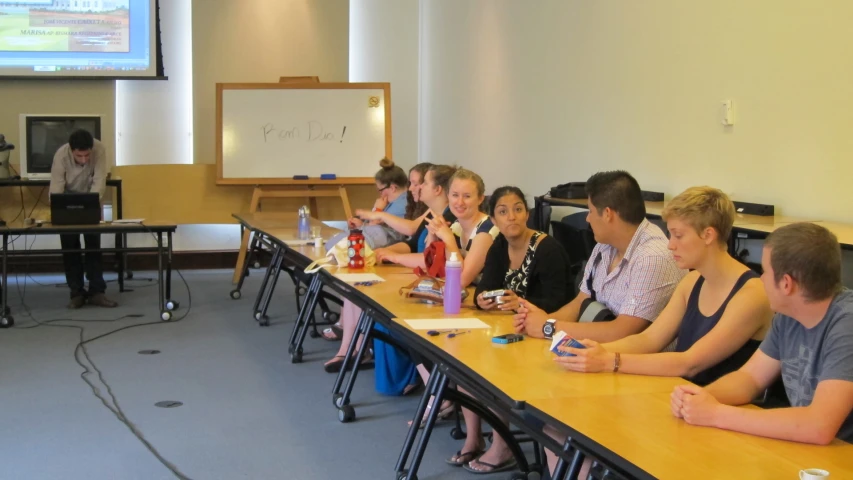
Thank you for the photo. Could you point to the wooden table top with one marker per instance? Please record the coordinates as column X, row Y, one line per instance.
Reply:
column 844, row 231
column 627, row 414
column 641, row 430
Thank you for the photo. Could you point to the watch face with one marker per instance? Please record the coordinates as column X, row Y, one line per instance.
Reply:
column 548, row 329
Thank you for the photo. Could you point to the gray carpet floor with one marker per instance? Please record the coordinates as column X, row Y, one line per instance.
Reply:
column 247, row 412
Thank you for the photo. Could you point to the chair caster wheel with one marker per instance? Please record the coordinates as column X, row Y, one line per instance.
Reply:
column 457, row 433
column 129, row 275
column 331, row 317
column 235, row 294
column 257, row 264
column 346, row 414
column 172, row 305
column 314, row 334
column 258, row 316
column 165, row 316
column 264, row 321
column 7, row 321
column 296, row 357
column 337, row 398
column 402, row 475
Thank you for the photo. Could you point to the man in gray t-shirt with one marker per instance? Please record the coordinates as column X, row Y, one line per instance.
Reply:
column 810, row 345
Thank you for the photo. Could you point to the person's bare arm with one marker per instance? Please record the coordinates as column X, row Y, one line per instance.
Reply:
column 476, row 258
column 746, row 315
column 818, row 423
column 411, row 260
column 402, row 225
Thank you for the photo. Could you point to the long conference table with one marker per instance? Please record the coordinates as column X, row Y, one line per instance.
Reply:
column 623, row 421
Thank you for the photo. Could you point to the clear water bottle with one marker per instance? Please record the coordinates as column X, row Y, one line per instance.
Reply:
column 453, row 284
column 303, row 229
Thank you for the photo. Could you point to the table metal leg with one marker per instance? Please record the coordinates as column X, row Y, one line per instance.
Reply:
column 165, row 314
column 416, row 422
column 120, row 259
column 296, row 353
column 314, row 285
column 339, row 380
column 275, row 272
column 440, row 386
column 266, row 288
column 6, row 319
column 350, row 364
column 171, row 305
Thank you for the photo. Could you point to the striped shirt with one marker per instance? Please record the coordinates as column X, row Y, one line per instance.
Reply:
column 643, row 281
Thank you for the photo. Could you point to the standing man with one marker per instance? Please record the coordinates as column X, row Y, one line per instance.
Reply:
column 80, row 166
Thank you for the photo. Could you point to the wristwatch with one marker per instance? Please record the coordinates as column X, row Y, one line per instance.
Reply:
column 549, row 328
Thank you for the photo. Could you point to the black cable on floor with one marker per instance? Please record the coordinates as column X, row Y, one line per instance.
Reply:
column 115, row 408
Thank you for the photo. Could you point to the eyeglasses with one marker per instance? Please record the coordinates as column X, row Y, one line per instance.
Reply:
column 386, row 187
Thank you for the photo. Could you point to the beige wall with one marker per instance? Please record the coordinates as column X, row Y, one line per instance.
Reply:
column 260, row 41
column 546, row 95
column 57, row 96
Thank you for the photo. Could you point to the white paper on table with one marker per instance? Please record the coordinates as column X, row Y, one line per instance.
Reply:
column 445, row 323
column 359, row 277
column 296, row 243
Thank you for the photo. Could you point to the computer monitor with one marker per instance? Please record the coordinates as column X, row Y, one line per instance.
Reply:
column 42, row 135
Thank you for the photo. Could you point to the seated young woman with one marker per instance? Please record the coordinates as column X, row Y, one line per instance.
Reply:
column 415, row 211
column 471, row 235
column 395, row 372
column 391, row 183
column 717, row 315
column 527, row 264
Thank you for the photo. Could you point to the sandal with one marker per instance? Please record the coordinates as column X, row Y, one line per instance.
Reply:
column 334, row 365
column 501, row 467
column 447, row 409
column 463, row 458
column 333, row 333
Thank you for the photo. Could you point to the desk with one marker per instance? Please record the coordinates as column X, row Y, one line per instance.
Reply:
column 623, row 420
column 157, row 229
column 111, row 182
column 641, row 430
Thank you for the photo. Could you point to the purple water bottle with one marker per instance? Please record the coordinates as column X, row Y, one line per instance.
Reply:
column 452, row 284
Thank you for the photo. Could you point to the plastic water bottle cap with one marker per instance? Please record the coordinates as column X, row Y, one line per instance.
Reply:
column 453, row 257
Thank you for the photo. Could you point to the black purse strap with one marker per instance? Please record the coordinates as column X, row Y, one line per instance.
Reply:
column 591, row 275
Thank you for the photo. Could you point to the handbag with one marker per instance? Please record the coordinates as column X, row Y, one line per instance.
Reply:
column 338, row 252
column 435, row 256
column 427, row 288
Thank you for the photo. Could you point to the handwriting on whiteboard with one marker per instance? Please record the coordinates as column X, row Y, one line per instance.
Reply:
column 311, row 131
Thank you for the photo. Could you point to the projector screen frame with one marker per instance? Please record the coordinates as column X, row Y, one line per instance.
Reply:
column 160, row 73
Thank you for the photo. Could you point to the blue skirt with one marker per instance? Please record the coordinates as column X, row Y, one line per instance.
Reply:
column 394, row 369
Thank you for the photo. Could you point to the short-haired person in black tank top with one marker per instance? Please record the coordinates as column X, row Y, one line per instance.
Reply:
column 717, row 315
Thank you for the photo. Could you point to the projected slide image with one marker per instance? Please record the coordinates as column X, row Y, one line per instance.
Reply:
column 65, row 26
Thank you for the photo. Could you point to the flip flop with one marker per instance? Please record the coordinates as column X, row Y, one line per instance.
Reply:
column 502, row 467
column 462, row 459
column 334, row 365
column 443, row 414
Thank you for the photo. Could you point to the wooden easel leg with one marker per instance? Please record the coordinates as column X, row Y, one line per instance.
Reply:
column 345, row 199
column 244, row 243
column 312, row 204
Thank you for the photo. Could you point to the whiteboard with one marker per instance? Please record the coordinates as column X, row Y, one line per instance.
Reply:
column 267, row 133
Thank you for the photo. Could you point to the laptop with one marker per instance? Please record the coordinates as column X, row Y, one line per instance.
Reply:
column 75, row 209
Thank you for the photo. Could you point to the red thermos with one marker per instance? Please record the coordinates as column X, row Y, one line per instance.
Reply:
column 355, row 244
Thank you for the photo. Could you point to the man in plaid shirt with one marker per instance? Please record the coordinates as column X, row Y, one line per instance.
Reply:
column 633, row 272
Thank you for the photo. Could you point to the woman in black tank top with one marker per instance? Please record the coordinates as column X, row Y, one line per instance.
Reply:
column 717, row 315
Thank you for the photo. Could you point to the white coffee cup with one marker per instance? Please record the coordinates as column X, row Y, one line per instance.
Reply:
column 814, row 474
column 318, row 242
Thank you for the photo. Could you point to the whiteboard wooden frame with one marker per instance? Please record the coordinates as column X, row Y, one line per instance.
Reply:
column 221, row 87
